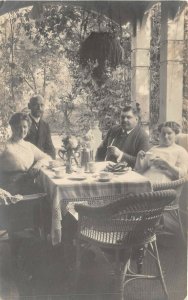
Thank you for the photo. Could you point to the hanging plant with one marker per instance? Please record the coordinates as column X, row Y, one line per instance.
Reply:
column 103, row 49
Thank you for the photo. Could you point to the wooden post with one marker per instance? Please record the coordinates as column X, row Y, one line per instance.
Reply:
column 140, row 83
column 171, row 66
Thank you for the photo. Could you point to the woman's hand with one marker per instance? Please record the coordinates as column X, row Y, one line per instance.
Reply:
column 35, row 169
column 141, row 154
column 33, row 172
column 165, row 165
column 141, row 164
column 160, row 163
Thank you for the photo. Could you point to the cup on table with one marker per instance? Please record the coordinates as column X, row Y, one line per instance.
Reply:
column 92, row 167
column 105, row 175
column 80, row 170
column 148, row 155
column 53, row 163
column 60, row 173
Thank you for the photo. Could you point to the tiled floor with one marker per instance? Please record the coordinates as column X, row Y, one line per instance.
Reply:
column 52, row 279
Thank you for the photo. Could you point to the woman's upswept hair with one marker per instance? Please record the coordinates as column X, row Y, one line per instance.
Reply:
column 171, row 124
column 18, row 117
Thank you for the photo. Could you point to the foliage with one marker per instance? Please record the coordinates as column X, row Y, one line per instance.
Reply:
column 65, row 27
column 39, row 54
column 44, row 59
column 27, row 68
column 103, row 49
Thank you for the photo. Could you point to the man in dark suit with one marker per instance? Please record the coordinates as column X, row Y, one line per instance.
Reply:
column 124, row 141
column 39, row 133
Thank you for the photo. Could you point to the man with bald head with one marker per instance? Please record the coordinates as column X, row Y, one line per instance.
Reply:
column 39, row 133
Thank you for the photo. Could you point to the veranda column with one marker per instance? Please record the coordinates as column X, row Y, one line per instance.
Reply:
column 140, row 60
column 171, row 66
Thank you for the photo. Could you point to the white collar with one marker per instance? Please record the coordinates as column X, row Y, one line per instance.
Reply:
column 128, row 131
column 35, row 119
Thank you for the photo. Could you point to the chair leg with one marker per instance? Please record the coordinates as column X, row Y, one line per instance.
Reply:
column 156, row 253
column 125, row 271
column 118, row 281
column 78, row 263
column 119, row 276
column 140, row 253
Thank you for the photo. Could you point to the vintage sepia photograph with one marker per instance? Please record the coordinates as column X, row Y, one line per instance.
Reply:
column 93, row 150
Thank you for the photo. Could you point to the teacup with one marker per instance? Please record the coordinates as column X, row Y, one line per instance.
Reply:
column 92, row 167
column 60, row 173
column 53, row 163
column 148, row 155
column 104, row 175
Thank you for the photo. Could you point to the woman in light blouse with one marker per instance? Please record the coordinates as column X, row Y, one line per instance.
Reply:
column 167, row 161
column 164, row 163
column 20, row 160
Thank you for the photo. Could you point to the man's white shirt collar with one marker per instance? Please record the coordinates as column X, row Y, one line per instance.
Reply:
column 35, row 119
column 128, row 131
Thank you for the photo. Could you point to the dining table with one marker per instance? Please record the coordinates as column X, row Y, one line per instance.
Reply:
column 81, row 186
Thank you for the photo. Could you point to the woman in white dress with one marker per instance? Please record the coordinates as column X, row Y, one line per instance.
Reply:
column 164, row 163
column 20, row 160
column 167, row 161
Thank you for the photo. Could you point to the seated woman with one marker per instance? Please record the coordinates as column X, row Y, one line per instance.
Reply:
column 164, row 163
column 167, row 161
column 20, row 160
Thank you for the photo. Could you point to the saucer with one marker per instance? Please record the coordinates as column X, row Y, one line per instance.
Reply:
column 104, row 179
column 119, row 173
column 77, row 178
column 58, row 177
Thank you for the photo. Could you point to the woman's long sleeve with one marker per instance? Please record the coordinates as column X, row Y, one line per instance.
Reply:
column 182, row 163
column 40, row 156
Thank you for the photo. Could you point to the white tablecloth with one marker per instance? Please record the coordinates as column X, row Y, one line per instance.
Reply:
column 64, row 190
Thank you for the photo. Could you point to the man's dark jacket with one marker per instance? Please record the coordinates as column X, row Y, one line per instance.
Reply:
column 39, row 135
column 130, row 144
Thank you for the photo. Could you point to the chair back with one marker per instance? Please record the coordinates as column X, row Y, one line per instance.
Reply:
column 182, row 140
column 176, row 185
column 128, row 222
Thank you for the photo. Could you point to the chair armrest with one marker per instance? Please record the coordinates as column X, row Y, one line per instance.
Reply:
column 127, row 203
column 33, row 196
column 22, row 199
column 169, row 185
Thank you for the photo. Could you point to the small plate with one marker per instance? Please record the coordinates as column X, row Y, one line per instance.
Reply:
column 119, row 172
column 122, row 171
column 58, row 168
column 77, row 178
column 104, row 179
column 59, row 177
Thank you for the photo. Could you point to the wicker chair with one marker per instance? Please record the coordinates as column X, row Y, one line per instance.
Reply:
column 127, row 225
column 173, row 208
